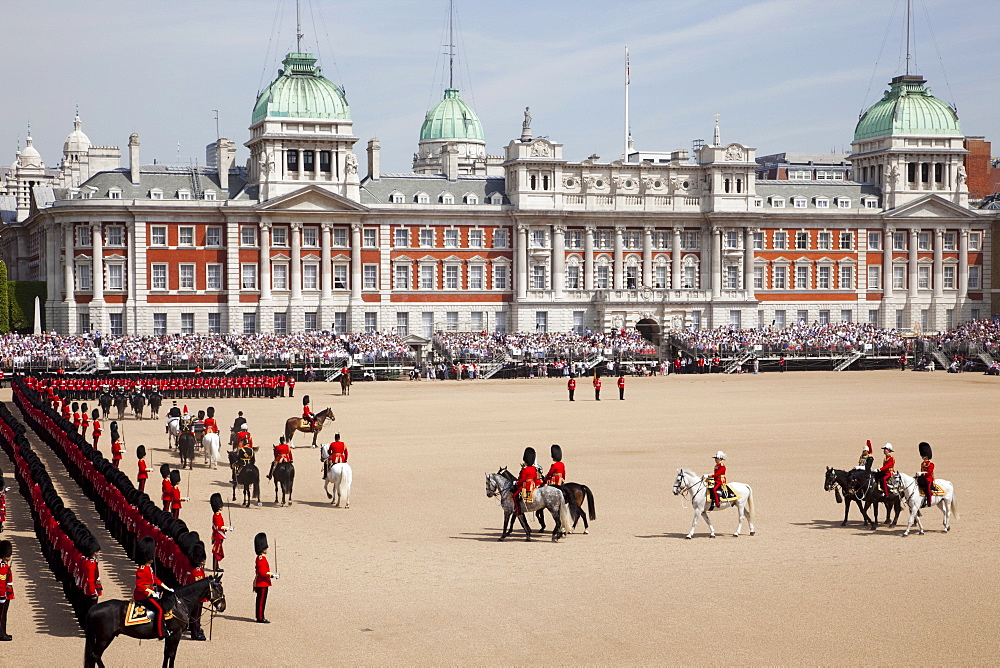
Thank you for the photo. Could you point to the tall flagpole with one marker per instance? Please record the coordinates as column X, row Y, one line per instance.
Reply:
column 627, row 81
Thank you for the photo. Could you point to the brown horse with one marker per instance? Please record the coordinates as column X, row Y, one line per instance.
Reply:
column 345, row 384
column 294, row 424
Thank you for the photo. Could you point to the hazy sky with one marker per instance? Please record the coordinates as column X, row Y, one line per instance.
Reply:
column 785, row 75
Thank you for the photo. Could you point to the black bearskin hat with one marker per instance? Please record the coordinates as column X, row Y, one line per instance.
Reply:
column 175, row 477
column 556, row 453
column 201, row 415
column 529, row 457
column 165, row 470
column 260, row 542
column 75, row 406
column 336, row 437
column 94, row 414
column 305, row 400
column 145, row 550
column 210, row 412
column 114, row 431
column 5, row 549
column 89, row 546
column 140, row 452
column 83, row 407
column 197, row 554
column 216, row 501
column 925, row 450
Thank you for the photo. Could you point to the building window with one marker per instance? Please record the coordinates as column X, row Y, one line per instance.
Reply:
column 184, row 194
column 248, row 235
column 689, row 241
column 802, row 316
column 158, row 235
column 115, row 235
column 187, row 323
column 310, row 237
column 874, row 240
column 426, row 277
column 975, row 241
column 369, row 274
column 159, row 324
column 451, row 277
column 451, row 238
column 824, row 317
column 311, row 323
column 631, row 277
column 923, row 278
column 475, row 238
column 779, row 279
column 758, row 278
column 426, row 238
column 279, row 236
column 248, row 273
column 800, row 175
column 471, row 198
column 732, row 277
column 340, row 321
column 846, row 241
column 846, row 277
column 603, row 277
column 249, row 323
column 185, row 236
column 758, row 240
column 574, row 239
column 369, row 237
column 117, row 322
column 822, row 203
column 401, row 277
column 949, row 278
column 801, row 278
column 602, row 238
column 501, row 239
column 476, row 321
column 214, row 323
column 660, row 276
column 729, row 239
column 846, row 315
column 801, row 240
column 873, row 316
column 573, row 277
column 538, row 277
column 158, row 277
column 538, row 238
column 541, row 321
column 402, row 236
column 799, row 202
column 898, row 241
column 186, row 273
column 874, row 278
column 280, row 323
column 633, row 239
column 310, row 276
column 451, row 321
column 924, row 241
column 843, row 203
column 83, row 322
column 823, row 278
column 500, row 277
column 825, row 241
column 371, row 321
column 83, row 281
column 339, row 238
column 116, row 277
column 446, row 198
column 690, row 278
column 777, row 203
column 974, row 273
column 780, row 240
column 213, row 276
column 780, row 318
column 83, row 238
column 340, row 277
column 213, row 236
column 114, row 194
column 402, row 323
column 949, row 241
column 156, row 194
column 279, row 277
column 898, row 278
column 476, row 277
column 871, row 203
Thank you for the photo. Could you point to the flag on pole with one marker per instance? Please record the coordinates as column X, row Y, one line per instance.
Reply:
column 628, row 76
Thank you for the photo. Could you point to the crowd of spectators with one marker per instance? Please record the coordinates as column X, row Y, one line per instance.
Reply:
column 985, row 333
column 817, row 337
column 501, row 345
column 165, row 351
column 44, row 350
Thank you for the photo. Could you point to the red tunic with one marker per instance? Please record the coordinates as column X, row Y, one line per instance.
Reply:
column 282, row 453
column 556, row 474
column 168, row 490
column 143, row 471
column 3, row 507
column 927, row 471
column 218, row 535
column 621, row 383
column 146, row 582
column 338, row 452
column 6, row 581
column 527, row 480
column 116, row 450
column 719, row 475
column 597, row 383
column 571, row 384
column 888, row 464
column 97, row 428
column 211, row 426
column 92, row 578
column 175, row 502
column 262, row 575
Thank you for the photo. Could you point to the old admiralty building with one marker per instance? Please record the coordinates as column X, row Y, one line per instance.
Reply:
column 309, row 234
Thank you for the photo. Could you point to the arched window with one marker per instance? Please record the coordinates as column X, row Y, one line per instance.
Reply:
column 726, row 185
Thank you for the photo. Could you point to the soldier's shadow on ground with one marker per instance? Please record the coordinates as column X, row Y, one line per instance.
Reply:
column 668, row 535
column 493, row 536
column 854, row 527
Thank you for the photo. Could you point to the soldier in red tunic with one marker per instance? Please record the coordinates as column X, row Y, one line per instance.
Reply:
column 166, row 487
column 77, row 420
column 144, row 471
column 262, row 576
column 67, row 415
column 84, row 420
column 282, row 453
column 307, row 414
column 6, row 587
column 197, row 557
column 211, row 426
column 176, row 498
column 926, row 477
column 117, row 447
column 557, row 472
column 888, row 468
column 336, row 454
column 571, row 386
column 597, row 388
column 621, row 387
column 97, row 427
column 527, row 481
column 219, row 531
column 291, row 385
column 147, row 584
column 718, row 478
column 866, row 454
column 91, row 575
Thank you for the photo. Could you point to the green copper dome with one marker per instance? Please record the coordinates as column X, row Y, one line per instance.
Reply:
column 908, row 108
column 301, row 92
column 451, row 118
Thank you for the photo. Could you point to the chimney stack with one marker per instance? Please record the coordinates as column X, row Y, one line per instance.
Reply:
column 225, row 156
column 133, row 157
column 449, row 154
column 373, row 159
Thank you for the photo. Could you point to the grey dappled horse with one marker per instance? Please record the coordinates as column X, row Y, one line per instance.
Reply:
column 546, row 497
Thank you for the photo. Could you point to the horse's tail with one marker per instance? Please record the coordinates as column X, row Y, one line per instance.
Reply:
column 953, row 509
column 749, row 503
column 565, row 521
column 591, row 512
column 346, row 477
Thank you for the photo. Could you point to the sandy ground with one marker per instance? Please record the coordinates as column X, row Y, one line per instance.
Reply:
column 412, row 572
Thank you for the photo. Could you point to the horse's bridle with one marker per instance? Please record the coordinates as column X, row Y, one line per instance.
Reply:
column 677, row 484
column 214, row 600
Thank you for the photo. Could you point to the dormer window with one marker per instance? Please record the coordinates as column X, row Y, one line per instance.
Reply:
column 446, row 198
column 496, row 198
column 471, row 198
column 777, row 202
column 822, row 203
column 422, row 198
column 155, row 193
column 115, row 193
column 184, row 194
column 799, row 202
column 843, row 202
column 396, row 198
column 209, row 195
column 758, row 203
column 870, row 203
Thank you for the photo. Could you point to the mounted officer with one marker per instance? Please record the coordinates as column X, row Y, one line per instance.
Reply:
column 527, row 481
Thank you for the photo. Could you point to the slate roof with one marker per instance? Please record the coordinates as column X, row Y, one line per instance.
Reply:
column 8, row 209
column 170, row 179
column 811, row 189
column 377, row 192
column 816, row 159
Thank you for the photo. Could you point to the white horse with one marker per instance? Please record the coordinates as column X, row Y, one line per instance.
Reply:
column 173, row 431
column 689, row 483
column 909, row 491
column 340, row 476
column 213, row 449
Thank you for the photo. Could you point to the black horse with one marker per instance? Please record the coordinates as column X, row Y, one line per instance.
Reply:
column 105, row 401
column 105, row 621
column 138, row 401
column 121, row 403
column 185, row 446
column 284, row 474
column 868, row 488
column 155, row 401
column 842, row 484
column 246, row 474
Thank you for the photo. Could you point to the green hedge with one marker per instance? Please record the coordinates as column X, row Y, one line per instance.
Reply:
column 20, row 297
column 4, row 300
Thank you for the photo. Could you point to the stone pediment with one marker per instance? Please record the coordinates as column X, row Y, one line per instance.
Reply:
column 930, row 206
column 308, row 199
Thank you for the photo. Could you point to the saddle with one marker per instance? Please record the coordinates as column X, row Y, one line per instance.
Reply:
column 527, row 493
column 137, row 613
column 726, row 494
column 305, row 425
column 936, row 491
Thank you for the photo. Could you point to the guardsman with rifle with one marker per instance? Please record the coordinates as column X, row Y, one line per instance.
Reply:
column 97, row 427
column 219, row 531
column 144, row 471
column 117, row 446
column 262, row 576
column 166, row 487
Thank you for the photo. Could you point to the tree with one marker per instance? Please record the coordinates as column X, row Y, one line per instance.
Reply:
column 4, row 300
